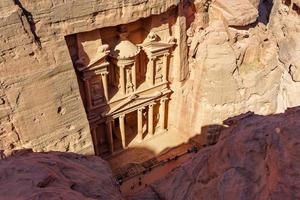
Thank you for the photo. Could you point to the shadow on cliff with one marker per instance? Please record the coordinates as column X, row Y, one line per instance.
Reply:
column 30, row 21
column 209, row 136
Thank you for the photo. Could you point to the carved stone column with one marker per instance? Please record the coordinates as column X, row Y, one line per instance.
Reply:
column 122, row 130
column 133, row 71
column 122, row 79
column 162, row 113
column 150, row 119
column 140, row 124
column 87, row 89
column 110, row 136
column 151, row 70
column 165, row 67
column 105, row 84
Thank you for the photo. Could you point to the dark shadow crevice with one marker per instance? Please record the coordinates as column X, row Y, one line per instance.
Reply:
column 30, row 21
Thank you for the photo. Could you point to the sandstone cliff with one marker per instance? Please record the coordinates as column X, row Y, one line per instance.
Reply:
column 40, row 103
column 54, row 175
column 256, row 158
column 242, row 57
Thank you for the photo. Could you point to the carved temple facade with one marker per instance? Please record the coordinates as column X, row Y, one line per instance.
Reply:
column 123, row 75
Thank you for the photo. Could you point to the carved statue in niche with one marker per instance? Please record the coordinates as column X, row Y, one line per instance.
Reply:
column 129, row 85
column 159, row 70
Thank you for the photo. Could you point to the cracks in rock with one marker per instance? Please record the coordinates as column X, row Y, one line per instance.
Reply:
column 30, row 21
column 290, row 71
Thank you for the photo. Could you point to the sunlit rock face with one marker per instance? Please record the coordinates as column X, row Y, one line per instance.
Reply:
column 40, row 103
column 242, row 56
column 153, row 66
column 255, row 158
column 228, row 57
column 54, row 175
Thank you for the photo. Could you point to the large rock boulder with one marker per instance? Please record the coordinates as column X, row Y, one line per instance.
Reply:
column 256, row 158
column 235, row 12
column 54, row 175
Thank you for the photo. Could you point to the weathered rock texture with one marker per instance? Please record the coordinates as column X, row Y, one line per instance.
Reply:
column 40, row 103
column 243, row 56
column 256, row 158
column 54, row 175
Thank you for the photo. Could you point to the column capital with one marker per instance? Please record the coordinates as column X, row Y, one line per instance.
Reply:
column 122, row 116
column 153, row 58
column 166, row 54
column 152, row 104
column 164, row 99
column 141, row 108
column 104, row 73
column 122, row 66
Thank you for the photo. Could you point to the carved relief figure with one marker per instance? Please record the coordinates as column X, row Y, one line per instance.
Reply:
column 158, row 71
column 129, row 85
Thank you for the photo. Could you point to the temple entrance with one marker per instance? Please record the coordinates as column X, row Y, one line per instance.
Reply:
column 123, row 74
column 131, row 129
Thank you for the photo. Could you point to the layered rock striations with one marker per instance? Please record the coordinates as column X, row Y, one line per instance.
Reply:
column 256, row 157
column 40, row 103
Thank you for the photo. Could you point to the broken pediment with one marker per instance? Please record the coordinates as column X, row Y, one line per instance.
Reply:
column 134, row 101
column 97, row 63
column 153, row 47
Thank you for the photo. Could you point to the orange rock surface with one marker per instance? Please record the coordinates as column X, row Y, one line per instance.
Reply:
column 55, row 175
column 256, row 158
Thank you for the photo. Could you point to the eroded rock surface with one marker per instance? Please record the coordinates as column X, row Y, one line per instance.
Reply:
column 40, row 103
column 256, row 158
column 54, row 175
column 242, row 56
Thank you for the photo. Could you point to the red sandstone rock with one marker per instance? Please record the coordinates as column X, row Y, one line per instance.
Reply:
column 54, row 175
column 255, row 158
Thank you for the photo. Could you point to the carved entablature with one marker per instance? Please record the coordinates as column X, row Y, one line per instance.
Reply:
column 134, row 101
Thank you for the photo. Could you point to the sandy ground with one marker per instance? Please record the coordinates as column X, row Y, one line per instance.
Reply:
column 150, row 148
column 137, row 183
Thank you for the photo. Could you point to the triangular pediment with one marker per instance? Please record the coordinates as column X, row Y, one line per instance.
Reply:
column 132, row 102
column 94, row 64
column 97, row 59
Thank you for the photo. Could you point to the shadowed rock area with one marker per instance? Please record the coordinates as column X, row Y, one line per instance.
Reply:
column 256, row 158
column 54, row 175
